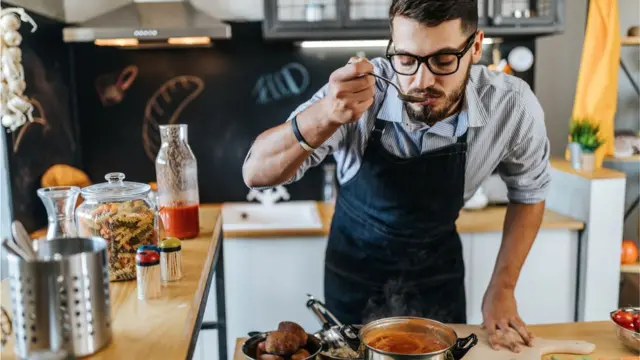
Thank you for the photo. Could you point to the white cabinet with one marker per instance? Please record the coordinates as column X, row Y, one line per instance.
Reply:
column 546, row 290
column 267, row 281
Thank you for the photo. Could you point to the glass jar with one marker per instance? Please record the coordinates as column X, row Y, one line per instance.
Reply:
column 119, row 212
column 177, row 178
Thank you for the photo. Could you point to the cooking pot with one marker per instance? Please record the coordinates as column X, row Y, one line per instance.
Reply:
column 250, row 346
column 453, row 348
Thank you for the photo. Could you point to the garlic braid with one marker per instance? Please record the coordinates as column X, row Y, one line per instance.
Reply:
column 15, row 108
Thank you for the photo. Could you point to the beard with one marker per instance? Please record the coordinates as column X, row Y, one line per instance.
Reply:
column 428, row 113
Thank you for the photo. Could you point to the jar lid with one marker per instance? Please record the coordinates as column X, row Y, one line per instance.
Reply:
column 147, row 258
column 115, row 189
column 170, row 244
column 148, row 247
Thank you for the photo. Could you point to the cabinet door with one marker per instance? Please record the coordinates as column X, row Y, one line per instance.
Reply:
column 367, row 14
column 525, row 12
column 304, row 15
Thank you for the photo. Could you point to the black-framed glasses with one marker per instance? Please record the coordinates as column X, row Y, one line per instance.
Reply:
column 440, row 63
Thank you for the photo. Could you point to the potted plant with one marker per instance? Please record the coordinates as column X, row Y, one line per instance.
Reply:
column 586, row 134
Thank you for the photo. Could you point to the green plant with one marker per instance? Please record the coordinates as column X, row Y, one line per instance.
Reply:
column 586, row 133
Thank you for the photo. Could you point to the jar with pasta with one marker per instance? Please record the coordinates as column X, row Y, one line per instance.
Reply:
column 118, row 211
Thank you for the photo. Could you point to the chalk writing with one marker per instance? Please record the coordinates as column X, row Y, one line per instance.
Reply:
column 281, row 84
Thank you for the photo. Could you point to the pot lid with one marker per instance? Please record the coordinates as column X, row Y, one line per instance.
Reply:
column 116, row 189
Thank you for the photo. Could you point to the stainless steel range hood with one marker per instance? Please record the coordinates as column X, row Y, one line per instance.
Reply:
column 150, row 23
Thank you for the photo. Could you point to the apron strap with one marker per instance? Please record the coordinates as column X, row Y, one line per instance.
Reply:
column 376, row 134
column 463, row 139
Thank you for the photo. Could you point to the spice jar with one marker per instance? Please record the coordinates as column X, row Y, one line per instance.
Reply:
column 177, row 177
column 171, row 259
column 119, row 212
column 148, row 274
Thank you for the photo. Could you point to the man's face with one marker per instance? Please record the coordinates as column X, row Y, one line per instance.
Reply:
column 444, row 91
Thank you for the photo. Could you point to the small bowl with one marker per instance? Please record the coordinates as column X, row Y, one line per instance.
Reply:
column 628, row 338
column 313, row 345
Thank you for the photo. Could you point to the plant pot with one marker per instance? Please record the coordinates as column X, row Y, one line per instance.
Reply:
column 588, row 162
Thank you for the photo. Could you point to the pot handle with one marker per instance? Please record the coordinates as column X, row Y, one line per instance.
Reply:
column 253, row 333
column 462, row 346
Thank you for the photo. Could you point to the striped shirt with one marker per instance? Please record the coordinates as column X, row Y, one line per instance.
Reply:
column 506, row 134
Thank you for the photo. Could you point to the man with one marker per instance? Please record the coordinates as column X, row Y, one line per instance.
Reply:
column 406, row 170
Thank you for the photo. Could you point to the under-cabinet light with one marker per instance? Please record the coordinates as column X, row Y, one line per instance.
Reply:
column 343, row 43
column 358, row 43
column 116, row 42
column 194, row 40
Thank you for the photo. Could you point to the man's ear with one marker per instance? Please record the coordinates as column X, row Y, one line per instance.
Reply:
column 476, row 49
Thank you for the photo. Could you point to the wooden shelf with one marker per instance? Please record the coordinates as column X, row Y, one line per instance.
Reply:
column 630, row 268
column 630, row 41
column 632, row 158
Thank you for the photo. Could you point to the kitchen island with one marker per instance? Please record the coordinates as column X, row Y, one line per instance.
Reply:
column 600, row 333
column 168, row 327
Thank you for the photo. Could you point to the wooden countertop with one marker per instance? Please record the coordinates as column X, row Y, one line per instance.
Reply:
column 598, row 174
column 600, row 333
column 139, row 328
column 486, row 220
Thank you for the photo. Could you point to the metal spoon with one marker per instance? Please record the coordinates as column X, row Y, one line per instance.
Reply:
column 402, row 96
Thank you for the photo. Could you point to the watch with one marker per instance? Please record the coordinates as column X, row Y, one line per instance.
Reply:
column 296, row 131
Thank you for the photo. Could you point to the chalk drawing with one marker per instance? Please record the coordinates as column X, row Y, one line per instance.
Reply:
column 165, row 107
column 281, row 84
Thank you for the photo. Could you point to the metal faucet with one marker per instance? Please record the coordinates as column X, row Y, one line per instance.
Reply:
column 269, row 196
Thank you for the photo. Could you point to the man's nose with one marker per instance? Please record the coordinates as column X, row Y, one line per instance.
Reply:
column 424, row 78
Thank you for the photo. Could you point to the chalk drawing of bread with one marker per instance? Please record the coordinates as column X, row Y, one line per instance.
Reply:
column 165, row 107
column 39, row 117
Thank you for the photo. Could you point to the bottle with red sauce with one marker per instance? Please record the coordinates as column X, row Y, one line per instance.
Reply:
column 177, row 177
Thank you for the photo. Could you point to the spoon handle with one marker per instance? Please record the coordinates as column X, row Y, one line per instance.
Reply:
column 11, row 246
column 387, row 81
column 22, row 238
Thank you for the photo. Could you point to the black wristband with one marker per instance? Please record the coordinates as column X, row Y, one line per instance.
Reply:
column 298, row 135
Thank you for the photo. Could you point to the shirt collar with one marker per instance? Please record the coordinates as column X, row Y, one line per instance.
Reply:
column 475, row 114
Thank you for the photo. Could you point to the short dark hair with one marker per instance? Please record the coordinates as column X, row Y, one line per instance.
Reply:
column 435, row 12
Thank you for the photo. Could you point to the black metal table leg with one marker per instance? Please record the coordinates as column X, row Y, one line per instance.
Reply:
column 220, row 301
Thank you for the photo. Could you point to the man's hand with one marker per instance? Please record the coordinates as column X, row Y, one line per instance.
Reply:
column 501, row 320
column 350, row 91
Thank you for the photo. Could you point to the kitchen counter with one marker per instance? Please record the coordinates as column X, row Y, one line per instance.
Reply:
column 140, row 329
column 485, row 220
column 599, row 333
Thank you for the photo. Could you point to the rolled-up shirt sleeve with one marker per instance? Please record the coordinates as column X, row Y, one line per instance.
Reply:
column 525, row 167
column 322, row 151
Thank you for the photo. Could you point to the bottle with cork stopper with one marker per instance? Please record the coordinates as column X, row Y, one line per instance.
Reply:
column 171, row 259
column 148, row 274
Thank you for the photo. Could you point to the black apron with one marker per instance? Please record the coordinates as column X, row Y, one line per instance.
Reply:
column 393, row 247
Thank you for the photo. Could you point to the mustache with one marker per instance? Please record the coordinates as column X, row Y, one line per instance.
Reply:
column 428, row 92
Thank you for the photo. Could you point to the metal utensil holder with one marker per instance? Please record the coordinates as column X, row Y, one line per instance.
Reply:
column 61, row 300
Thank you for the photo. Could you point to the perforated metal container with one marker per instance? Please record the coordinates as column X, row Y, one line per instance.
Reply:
column 61, row 301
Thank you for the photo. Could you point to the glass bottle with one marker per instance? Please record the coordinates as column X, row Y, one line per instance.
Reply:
column 329, row 184
column 60, row 203
column 177, row 177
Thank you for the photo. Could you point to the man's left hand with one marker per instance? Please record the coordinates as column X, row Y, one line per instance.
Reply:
column 501, row 320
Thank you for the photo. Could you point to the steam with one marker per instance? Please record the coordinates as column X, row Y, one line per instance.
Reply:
column 400, row 298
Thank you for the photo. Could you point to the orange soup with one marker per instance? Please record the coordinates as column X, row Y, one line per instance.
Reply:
column 402, row 342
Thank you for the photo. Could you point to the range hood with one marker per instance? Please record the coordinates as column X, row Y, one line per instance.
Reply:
column 150, row 23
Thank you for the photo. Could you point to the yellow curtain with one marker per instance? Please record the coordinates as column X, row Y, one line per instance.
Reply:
column 597, row 86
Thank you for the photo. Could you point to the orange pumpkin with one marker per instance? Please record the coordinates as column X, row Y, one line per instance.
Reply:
column 629, row 254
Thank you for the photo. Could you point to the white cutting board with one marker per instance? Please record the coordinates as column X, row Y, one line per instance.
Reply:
column 483, row 351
